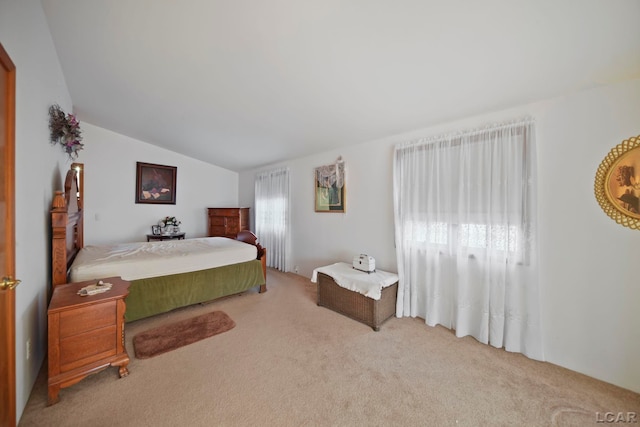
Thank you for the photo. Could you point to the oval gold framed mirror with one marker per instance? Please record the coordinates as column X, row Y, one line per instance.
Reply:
column 617, row 185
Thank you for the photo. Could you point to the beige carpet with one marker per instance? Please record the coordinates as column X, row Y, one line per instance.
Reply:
column 289, row 362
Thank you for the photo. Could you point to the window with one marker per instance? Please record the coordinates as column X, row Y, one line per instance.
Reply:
column 471, row 236
column 272, row 215
column 464, row 208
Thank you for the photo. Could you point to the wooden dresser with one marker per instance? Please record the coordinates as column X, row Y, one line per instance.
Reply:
column 227, row 222
column 86, row 333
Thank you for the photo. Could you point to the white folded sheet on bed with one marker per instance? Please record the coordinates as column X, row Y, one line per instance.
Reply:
column 140, row 260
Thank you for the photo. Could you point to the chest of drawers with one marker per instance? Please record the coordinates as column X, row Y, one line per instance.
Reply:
column 227, row 222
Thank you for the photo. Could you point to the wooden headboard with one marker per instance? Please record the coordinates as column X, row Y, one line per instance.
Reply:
column 67, row 228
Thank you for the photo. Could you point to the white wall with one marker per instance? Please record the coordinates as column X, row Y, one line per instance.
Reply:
column 588, row 281
column 321, row 238
column 111, row 214
column 39, row 83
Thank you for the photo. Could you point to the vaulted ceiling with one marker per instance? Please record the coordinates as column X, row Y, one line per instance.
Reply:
column 244, row 83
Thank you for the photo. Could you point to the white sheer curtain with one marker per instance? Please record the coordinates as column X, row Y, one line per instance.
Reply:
column 272, row 215
column 465, row 221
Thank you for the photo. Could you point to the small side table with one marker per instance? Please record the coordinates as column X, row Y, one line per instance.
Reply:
column 351, row 302
column 179, row 236
column 86, row 333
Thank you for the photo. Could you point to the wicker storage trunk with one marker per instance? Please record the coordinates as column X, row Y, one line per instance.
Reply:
column 352, row 304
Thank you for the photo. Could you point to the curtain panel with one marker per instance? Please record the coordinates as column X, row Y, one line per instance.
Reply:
column 465, row 222
column 272, row 215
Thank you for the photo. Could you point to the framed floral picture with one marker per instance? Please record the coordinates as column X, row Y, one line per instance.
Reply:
column 330, row 188
column 155, row 184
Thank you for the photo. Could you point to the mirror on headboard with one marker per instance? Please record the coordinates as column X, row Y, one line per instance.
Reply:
column 79, row 169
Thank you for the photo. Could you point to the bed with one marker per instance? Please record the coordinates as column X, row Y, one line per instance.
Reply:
column 164, row 275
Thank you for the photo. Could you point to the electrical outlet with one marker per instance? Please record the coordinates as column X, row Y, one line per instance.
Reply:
column 28, row 349
column 296, row 269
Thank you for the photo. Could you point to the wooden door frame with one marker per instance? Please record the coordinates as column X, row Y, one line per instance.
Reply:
column 7, row 319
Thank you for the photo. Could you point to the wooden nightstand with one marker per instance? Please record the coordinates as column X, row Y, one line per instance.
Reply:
column 86, row 333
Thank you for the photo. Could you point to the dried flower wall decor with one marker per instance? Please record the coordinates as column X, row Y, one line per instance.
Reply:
column 65, row 130
column 330, row 187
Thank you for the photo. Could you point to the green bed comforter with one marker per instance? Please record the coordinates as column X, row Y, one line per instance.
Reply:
column 156, row 295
